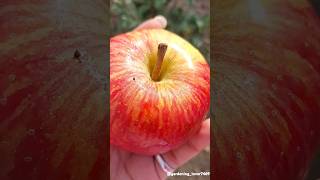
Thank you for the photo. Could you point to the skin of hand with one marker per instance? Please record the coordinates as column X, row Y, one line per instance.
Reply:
column 125, row 165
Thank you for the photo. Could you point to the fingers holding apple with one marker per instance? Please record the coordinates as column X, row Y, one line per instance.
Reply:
column 179, row 156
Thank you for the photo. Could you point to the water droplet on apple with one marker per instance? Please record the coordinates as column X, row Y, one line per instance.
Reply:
column 279, row 77
column 3, row 100
column 249, row 80
column 239, row 155
column 12, row 77
column 311, row 132
column 274, row 113
column 163, row 143
column 31, row 132
column 308, row 24
column 247, row 147
column 11, row 36
column 281, row 153
column 251, row 53
column 4, row 142
column 52, row 115
column 252, row 65
column 290, row 94
column 27, row 159
column 298, row 148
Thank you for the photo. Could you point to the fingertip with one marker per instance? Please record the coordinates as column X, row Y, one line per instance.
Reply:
column 191, row 148
column 161, row 20
column 205, row 127
column 204, row 134
column 158, row 22
column 206, row 122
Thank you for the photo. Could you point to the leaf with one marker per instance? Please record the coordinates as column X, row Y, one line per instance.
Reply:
column 143, row 9
column 159, row 4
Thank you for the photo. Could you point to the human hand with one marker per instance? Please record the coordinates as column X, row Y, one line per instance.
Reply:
column 125, row 165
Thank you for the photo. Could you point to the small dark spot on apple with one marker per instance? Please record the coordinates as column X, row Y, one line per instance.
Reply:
column 77, row 55
column 134, row 79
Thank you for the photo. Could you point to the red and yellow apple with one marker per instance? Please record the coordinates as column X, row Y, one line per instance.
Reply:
column 159, row 91
column 52, row 100
column 266, row 55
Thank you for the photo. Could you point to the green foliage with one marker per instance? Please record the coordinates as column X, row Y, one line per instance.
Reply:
column 127, row 14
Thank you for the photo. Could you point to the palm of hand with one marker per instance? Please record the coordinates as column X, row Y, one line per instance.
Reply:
column 129, row 166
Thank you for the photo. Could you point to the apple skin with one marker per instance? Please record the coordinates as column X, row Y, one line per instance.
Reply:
column 151, row 117
column 52, row 107
column 267, row 89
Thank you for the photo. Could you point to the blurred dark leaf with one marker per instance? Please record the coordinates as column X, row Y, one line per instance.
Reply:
column 159, row 4
column 143, row 10
column 200, row 23
column 139, row 1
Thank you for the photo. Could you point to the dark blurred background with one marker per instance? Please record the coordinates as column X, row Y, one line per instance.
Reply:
column 187, row 18
column 314, row 173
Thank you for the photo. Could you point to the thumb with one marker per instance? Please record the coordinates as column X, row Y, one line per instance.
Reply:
column 158, row 22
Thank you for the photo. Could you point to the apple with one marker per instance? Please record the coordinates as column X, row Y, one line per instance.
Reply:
column 53, row 61
column 267, row 89
column 159, row 91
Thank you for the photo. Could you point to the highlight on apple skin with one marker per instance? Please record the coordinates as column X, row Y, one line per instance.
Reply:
column 153, row 115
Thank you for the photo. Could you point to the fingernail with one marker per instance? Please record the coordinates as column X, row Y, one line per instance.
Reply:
column 162, row 20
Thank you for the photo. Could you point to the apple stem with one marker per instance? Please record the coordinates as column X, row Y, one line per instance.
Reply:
column 162, row 49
